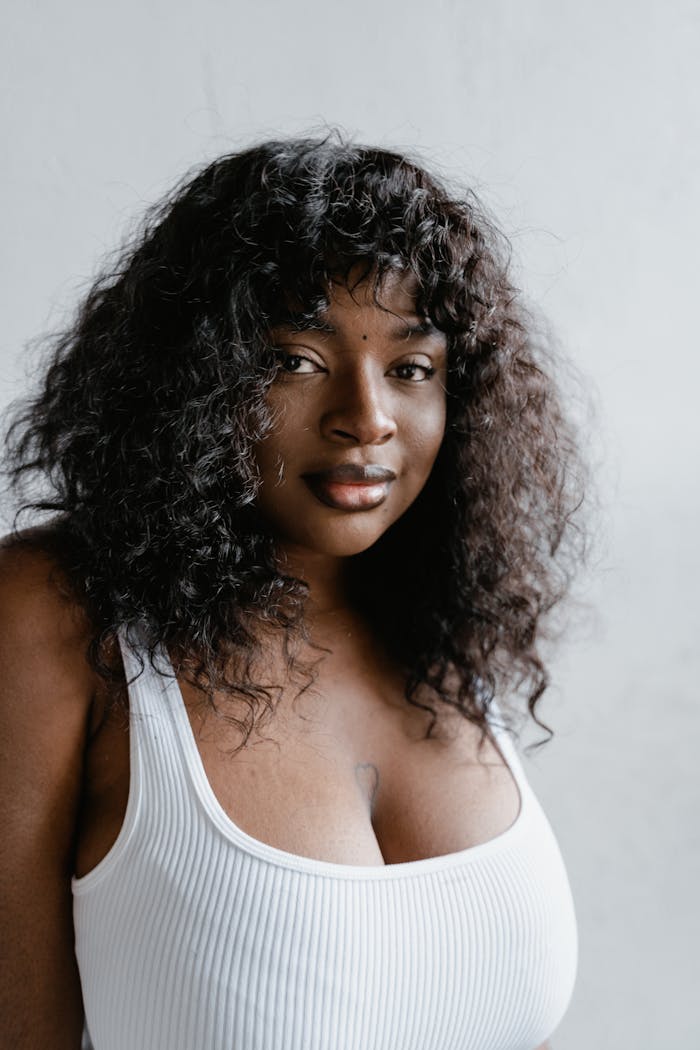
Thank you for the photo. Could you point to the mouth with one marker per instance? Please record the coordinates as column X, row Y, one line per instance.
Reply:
column 351, row 486
column 346, row 495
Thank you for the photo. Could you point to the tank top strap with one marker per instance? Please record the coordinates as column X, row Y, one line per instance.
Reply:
column 155, row 748
column 158, row 791
column 503, row 735
column 145, row 682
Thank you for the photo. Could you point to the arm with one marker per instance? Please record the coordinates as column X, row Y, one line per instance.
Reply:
column 45, row 699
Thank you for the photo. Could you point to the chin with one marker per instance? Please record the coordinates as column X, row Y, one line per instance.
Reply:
column 339, row 543
column 339, row 536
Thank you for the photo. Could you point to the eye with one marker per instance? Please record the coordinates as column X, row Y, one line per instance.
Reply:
column 414, row 371
column 294, row 364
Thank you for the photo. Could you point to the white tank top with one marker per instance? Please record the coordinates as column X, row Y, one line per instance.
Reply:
column 192, row 935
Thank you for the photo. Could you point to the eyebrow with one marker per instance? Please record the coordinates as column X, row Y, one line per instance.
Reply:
column 424, row 327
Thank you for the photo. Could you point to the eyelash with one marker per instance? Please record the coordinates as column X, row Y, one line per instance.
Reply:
column 427, row 370
column 283, row 357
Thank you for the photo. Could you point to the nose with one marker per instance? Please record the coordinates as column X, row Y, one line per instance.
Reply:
column 359, row 410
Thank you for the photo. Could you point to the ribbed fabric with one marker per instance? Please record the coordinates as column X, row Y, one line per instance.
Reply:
column 192, row 935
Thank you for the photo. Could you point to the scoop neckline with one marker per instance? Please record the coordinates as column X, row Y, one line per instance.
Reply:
column 311, row 865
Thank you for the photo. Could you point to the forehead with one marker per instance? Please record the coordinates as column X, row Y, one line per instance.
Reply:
column 397, row 291
column 359, row 294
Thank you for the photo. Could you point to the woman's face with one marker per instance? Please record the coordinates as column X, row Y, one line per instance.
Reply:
column 360, row 415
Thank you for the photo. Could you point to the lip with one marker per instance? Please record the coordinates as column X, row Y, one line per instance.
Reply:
column 353, row 474
column 351, row 486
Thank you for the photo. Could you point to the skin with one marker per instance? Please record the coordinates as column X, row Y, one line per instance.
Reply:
column 47, row 693
column 356, row 394
column 347, row 396
column 50, row 702
column 361, row 392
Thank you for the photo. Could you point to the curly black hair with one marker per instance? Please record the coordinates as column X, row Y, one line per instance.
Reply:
column 148, row 414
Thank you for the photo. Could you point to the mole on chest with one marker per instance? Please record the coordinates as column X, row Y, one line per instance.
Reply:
column 353, row 782
column 383, row 800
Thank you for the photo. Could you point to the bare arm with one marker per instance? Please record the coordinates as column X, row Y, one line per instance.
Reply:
column 45, row 698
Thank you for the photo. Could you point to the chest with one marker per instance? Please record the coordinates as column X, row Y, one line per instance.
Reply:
column 344, row 774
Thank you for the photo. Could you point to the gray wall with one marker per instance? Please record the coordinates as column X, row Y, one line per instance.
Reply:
column 579, row 124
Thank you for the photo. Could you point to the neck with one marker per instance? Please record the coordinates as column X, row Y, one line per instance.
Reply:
column 326, row 578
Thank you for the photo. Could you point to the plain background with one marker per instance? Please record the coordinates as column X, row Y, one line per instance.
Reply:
column 579, row 125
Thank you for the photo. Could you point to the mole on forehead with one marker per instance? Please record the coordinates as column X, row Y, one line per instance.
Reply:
column 401, row 330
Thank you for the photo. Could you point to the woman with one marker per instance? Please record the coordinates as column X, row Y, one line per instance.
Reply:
column 310, row 497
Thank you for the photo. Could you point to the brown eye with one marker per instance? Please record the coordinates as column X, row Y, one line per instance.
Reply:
column 294, row 363
column 414, row 371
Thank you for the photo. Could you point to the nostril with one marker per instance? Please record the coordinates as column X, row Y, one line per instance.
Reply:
column 362, row 438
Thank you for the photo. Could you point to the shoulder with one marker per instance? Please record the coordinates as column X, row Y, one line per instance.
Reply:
column 48, row 691
column 44, row 628
column 37, row 600
column 46, row 696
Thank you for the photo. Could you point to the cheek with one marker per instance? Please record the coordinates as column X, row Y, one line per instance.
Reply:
column 424, row 435
column 278, row 446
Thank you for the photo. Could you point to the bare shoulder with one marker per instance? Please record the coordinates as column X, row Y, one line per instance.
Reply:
column 44, row 630
column 30, row 566
column 47, row 688
column 40, row 615
column 30, row 553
